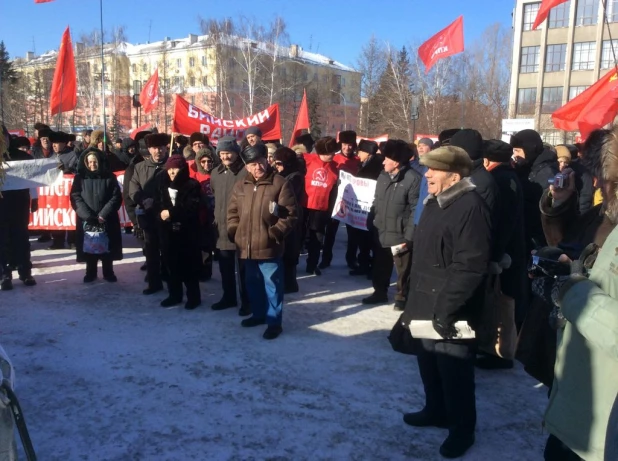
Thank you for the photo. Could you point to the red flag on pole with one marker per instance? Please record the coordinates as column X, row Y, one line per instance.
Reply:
column 302, row 119
column 447, row 42
column 544, row 9
column 149, row 97
column 63, row 96
column 592, row 109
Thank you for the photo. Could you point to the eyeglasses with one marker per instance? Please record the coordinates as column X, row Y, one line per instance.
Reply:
column 205, row 160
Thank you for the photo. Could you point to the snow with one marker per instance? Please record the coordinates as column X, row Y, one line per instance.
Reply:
column 104, row 373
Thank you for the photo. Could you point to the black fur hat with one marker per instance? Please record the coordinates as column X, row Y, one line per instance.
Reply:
column 326, row 146
column 157, row 140
column 496, row 150
column 285, row 155
column 348, row 137
column 41, row 126
column 21, row 141
column 252, row 153
column 397, row 150
column 306, row 140
column 59, row 137
column 197, row 136
column 371, row 147
column 445, row 136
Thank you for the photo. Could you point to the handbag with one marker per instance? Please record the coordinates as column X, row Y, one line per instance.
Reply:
column 497, row 333
column 96, row 241
column 401, row 339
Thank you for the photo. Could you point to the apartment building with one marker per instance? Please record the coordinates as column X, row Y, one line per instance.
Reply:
column 567, row 53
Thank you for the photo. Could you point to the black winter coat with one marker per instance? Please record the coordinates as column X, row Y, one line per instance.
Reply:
column 293, row 240
column 371, row 168
column 94, row 194
column 485, row 185
column 222, row 181
column 392, row 212
column 452, row 244
column 144, row 185
column 129, row 204
column 584, row 184
column 68, row 161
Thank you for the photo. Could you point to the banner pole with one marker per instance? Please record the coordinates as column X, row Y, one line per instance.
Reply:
column 103, row 78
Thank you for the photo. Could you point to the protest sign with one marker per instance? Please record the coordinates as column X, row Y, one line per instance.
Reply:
column 354, row 200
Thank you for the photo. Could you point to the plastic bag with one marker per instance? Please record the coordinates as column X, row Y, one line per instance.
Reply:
column 96, row 241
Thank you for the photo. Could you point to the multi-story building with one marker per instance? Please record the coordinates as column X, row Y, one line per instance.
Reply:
column 574, row 47
column 230, row 78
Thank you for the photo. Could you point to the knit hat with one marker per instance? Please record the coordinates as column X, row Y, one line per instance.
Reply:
column 253, row 130
column 448, row 158
column 198, row 137
column 228, row 144
column 371, row 147
column 397, row 150
column 427, row 141
column 175, row 161
column 469, row 140
column 326, row 146
column 495, row 150
column 348, row 137
column 445, row 136
column 157, row 140
column 531, row 143
column 563, row 151
column 252, row 154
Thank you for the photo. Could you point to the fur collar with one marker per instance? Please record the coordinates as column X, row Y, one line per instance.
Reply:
column 450, row 195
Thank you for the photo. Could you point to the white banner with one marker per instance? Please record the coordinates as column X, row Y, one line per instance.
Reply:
column 354, row 200
column 30, row 174
column 514, row 125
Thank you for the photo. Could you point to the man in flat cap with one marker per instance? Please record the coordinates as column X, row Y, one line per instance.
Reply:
column 452, row 245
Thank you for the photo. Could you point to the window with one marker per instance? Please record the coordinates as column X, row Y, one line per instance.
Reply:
column 204, row 81
column 575, row 91
column 179, row 63
column 559, row 15
column 530, row 11
column 145, row 68
column 555, row 58
column 553, row 137
column 343, row 81
column 204, row 61
column 191, row 62
column 134, row 67
column 526, row 100
column 552, row 99
column 607, row 54
column 529, row 59
column 612, row 10
column 137, row 87
column 192, row 81
column 583, row 55
column 587, row 12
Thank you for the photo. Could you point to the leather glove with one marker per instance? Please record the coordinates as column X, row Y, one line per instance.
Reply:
column 445, row 330
column 34, row 205
column 409, row 245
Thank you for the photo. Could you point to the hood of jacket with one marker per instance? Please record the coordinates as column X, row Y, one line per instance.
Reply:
column 102, row 171
column 201, row 154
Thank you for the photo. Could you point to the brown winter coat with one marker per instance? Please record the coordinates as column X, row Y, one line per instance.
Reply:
column 257, row 233
column 222, row 181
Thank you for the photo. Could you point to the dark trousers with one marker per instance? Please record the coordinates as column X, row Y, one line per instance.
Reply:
column 447, row 371
column 192, row 284
column 329, row 241
column 227, row 267
column 383, row 262
column 59, row 237
column 14, row 248
column 360, row 241
column 555, row 450
column 106, row 262
column 314, row 245
column 152, row 251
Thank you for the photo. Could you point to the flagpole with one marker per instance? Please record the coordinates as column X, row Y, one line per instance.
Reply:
column 103, row 78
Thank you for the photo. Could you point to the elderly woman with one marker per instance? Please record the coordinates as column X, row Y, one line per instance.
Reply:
column 96, row 199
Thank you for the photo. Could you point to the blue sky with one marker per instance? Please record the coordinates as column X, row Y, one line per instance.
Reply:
column 336, row 28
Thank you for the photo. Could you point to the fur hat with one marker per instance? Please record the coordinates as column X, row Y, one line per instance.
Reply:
column 327, row 146
column 531, row 143
column 348, row 137
column 96, row 137
column 448, row 158
column 495, row 150
column 306, row 140
column 253, row 130
column 371, row 147
column 563, row 151
column 175, row 161
column 228, row 144
column 601, row 154
column 157, row 140
column 59, row 137
column 45, row 133
column 469, row 140
column 141, row 135
column 197, row 136
column 285, row 155
column 426, row 141
column 445, row 136
column 397, row 150
column 181, row 140
column 41, row 126
column 21, row 141
column 253, row 153
column 271, row 148
column 300, row 149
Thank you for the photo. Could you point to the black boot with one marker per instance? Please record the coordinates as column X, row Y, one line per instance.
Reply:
column 245, row 309
column 91, row 269
column 491, row 362
column 400, row 305
column 28, row 280
column 170, row 301
column 108, row 270
column 290, row 282
column 224, row 304
column 424, row 419
column 252, row 322
column 153, row 289
column 272, row 332
column 456, row 445
column 376, row 298
column 6, row 284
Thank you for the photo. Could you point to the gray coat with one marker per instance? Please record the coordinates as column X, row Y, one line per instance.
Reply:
column 393, row 207
column 222, row 181
column 143, row 185
column 68, row 160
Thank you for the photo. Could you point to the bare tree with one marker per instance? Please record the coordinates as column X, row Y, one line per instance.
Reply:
column 371, row 64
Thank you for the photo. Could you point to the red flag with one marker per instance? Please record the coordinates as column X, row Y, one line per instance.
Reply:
column 592, row 109
column 144, row 127
column 63, row 96
column 447, row 42
column 544, row 9
column 302, row 119
column 43, row 1
column 149, row 97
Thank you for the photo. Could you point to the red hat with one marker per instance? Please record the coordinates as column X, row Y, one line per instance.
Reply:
column 176, row 161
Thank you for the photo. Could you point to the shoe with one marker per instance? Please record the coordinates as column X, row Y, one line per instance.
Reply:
column 423, row 419
column 152, row 290
column 456, row 446
column 44, row 238
column 57, row 246
column 359, row 271
column 6, row 284
column 111, row 278
column 375, row 298
column 89, row 278
column 28, row 280
column 272, row 332
column 323, row 265
column 223, row 304
column 491, row 362
column 169, row 302
column 143, row 267
column 313, row 271
column 190, row 305
column 352, row 265
column 291, row 289
column 252, row 322
column 245, row 309
column 400, row 305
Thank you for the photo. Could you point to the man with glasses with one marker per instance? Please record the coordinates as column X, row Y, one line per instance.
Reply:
column 197, row 141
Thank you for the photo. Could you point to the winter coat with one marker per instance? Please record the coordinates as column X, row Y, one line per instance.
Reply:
column 15, row 204
column 144, row 185
column 347, row 164
column 371, row 168
column 293, row 240
column 68, row 161
column 584, row 185
column 485, row 184
column 320, row 183
column 37, row 151
column 94, row 194
column 129, row 204
column 208, row 233
column 393, row 207
column 420, row 169
column 585, row 383
column 123, row 154
column 257, row 233
column 115, row 164
column 222, row 182
column 452, row 245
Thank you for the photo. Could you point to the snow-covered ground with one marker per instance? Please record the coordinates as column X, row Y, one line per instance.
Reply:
column 104, row 373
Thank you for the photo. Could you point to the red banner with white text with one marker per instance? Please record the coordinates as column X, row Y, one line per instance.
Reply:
column 190, row 119
column 55, row 211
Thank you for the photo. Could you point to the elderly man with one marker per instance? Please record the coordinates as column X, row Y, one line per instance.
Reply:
column 253, row 136
column 142, row 190
column 452, row 245
column 197, row 141
column 261, row 212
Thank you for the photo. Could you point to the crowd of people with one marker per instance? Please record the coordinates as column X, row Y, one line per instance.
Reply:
column 448, row 216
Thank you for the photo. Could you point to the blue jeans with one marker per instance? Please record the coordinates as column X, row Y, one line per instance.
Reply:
column 264, row 281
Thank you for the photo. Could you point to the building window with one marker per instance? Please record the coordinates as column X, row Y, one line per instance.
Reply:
column 553, row 137
column 204, row 61
column 204, row 81
column 134, row 67
column 145, row 68
column 192, row 81
column 575, row 91
column 584, row 55
column 587, row 12
column 555, row 58
column 137, row 87
column 529, row 59
column 607, row 54
column 552, row 99
column 612, row 10
column 559, row 15
column 530, row 12
column 526, row 100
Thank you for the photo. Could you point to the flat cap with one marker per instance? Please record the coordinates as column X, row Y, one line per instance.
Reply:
column 448, row 158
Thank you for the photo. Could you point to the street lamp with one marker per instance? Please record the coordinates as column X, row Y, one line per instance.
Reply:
column 345, row 112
